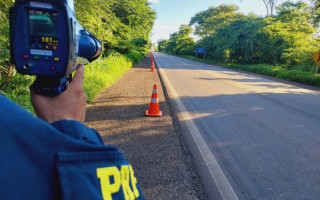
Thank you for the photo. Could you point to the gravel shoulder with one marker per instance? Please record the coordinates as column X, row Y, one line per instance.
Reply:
column 153, row 145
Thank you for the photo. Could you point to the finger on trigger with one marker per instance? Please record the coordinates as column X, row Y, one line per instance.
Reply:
column 79, row 76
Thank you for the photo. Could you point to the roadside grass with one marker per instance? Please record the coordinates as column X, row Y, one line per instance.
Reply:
column 18, row 90
column 296, row 74
column 99, row 75
column 103, row 72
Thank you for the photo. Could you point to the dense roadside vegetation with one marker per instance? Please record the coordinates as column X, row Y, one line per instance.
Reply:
column 280, row 45
column 123, row 27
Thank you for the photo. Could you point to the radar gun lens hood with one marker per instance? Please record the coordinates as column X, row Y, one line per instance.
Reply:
column 46, row 40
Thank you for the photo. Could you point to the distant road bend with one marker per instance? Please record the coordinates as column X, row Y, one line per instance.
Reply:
column 264, row 135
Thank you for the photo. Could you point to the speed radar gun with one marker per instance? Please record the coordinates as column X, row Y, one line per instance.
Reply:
column 46, row 40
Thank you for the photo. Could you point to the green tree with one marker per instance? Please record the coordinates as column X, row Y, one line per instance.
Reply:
column 242, row 41
column 119, row 24
column 294, row 23
column 162, row 44
column 316, row 11
column 180, row 42
column 207, row 22
column 185, row 42
column 288, row 38
column 172, row 42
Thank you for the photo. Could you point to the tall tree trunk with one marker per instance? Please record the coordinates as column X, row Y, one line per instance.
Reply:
column 271, row 4
column 267, row 5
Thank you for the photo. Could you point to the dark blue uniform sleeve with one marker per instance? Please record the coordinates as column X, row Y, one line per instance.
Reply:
column 63, row 160
column 78, row 131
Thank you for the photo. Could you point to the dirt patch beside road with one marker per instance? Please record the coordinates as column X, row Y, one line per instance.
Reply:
column 152, row 145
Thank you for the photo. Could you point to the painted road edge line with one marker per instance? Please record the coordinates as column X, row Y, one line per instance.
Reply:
column 225, row 189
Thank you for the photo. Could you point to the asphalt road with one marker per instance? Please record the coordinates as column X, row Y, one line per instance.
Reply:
column 265, row 135
column 152, row 145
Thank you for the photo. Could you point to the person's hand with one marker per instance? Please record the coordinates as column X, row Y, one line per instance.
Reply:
column 69, row 105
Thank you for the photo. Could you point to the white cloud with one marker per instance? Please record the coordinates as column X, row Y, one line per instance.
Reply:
column 163, row 29
column 153, row 1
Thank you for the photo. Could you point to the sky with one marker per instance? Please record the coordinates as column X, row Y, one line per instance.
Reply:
column 171, row 14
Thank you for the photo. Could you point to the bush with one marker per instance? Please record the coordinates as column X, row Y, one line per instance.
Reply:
column 305, row 68
column 301, row 77
column 264, row 69
column 18, row 90
column 134, row 56
column 280, row 72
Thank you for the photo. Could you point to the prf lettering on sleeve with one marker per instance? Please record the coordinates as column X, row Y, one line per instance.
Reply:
column 122, row 178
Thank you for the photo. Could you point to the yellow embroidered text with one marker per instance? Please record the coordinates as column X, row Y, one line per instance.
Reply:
column 121, row 177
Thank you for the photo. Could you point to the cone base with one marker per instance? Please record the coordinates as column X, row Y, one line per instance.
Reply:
column 153, row 115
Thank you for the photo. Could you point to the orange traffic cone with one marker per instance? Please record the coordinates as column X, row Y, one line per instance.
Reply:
column 154, row 104
column 152, row 67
